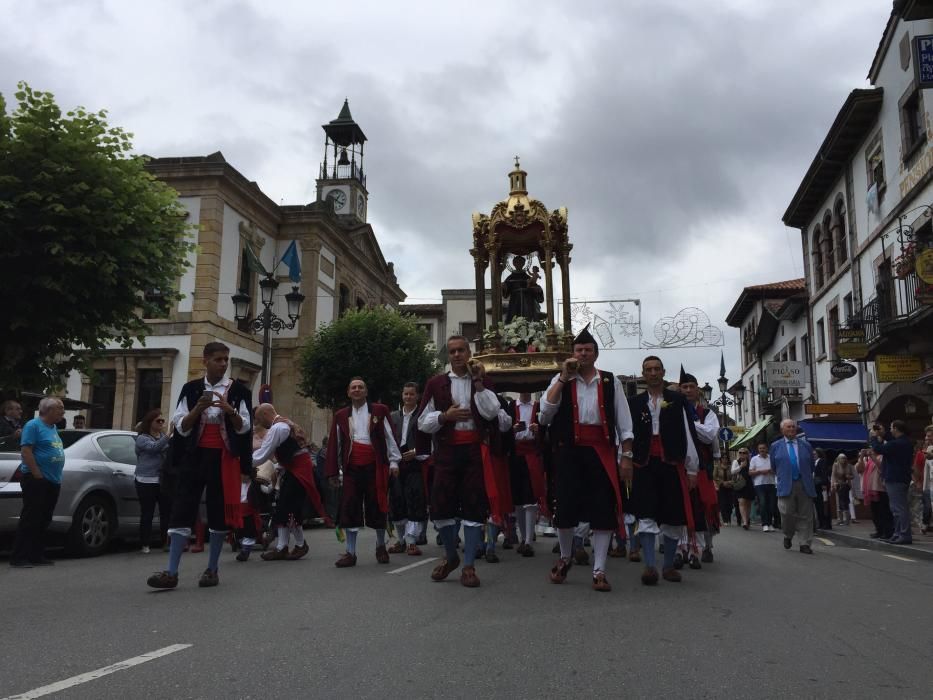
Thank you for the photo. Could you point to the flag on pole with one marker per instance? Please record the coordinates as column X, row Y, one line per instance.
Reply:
column 722, row 364
column 290, row 258
column 253, row 262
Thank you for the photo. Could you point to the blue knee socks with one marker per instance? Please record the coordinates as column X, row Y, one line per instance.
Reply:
column 351, row 541
column 472, row 536
column 176, row 545
column 380, row 537
column 216, row 547
column 648, row 548
column 492, row 534
column 449, row 538
column 670, row 549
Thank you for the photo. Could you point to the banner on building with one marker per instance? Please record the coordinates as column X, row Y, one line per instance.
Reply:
column 851, row 344
column 898, row 368
column 786, row 375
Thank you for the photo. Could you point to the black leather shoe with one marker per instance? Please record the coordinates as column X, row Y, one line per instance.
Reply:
column 787, row 543
column 678, row 561
column 805, row 549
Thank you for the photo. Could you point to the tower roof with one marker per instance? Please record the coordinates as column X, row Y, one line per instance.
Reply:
column 343, row 130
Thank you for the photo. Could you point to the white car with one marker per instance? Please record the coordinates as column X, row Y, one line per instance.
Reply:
column 98, row 498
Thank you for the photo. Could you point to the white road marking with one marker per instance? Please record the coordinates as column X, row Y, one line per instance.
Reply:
column 99, row 673
column 894, row 556
column 412, row 566
column 828, row 543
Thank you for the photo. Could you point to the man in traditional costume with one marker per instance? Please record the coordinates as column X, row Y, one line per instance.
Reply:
column 526, row 471
column 588, row 418
column 407, row 500
column 459, row 409
column 665, row 468
column 287, row 442
column 212, row 420
column 361, row 446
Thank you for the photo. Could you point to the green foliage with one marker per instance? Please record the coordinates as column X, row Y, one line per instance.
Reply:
column 383, row 347
column 84, row 232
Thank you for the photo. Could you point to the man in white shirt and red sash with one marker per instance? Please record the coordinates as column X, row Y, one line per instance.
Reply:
column 459, row 409
column 286, row 442
column 212, row 418
column 703, row 499
column 362, row 446
column 665, row 471
column 588, row 418
column 528, row 480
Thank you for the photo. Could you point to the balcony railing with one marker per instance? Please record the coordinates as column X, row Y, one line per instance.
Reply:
column 896, row 300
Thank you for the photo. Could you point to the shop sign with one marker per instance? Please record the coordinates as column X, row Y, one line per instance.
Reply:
column 850, row 343
column 898, row 368
column 786, row 375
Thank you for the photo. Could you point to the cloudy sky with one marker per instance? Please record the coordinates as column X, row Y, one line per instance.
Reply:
column 675, row 132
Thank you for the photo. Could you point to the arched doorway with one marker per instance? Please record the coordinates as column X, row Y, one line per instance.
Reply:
column 910, row 408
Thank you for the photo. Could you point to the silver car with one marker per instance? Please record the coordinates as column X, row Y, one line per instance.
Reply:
column 98, row 498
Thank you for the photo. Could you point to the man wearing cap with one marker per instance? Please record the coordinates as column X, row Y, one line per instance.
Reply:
column 703, row 499
column 459, row 410
column 588, row 418
column 666, row 465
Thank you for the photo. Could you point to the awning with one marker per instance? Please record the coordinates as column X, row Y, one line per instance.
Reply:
column 752, row 434
column 835, row 435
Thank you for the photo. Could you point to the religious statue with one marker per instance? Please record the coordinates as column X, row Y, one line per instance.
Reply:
column 523, row 292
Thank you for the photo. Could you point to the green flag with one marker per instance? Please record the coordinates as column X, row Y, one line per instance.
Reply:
column 253, row 262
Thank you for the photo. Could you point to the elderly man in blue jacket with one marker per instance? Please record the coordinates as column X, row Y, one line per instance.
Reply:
column 792, row 460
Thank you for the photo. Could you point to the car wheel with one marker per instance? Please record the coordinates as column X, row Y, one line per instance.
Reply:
column 92, row 527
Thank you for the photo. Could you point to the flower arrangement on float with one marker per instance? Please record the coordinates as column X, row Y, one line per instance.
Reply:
column 519, row 335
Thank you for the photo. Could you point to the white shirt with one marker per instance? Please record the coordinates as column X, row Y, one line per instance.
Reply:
column 759, row 462
column 708, row 431
column 487, row 403
column 275, row 436
column 212, row 414
column 526, row 416
column 406, row 419
column 588, row 405
column 359, row 432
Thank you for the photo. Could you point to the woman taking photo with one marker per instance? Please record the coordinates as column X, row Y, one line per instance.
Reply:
column 742, row 485
column 151, row 446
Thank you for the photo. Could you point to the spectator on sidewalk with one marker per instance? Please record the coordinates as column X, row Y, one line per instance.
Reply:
column 152, row 445
column 842, row 478
column 792, row 461
column 898, row 454
column 11, row 418
column 763, row 477
column 874, row 493
column 722, row 477
column 924, row 461
column 78, row 422
column 41, row 482
column 743, row 487
column 822, row 480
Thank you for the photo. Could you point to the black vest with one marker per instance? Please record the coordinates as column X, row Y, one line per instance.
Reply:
column 670, row 424
column 240, row 445
column 561, row 429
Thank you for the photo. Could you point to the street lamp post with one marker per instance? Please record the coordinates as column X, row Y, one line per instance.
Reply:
column 267, row 321
column 725, row 401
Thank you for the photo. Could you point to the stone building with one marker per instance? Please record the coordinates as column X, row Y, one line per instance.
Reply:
column 342, row 267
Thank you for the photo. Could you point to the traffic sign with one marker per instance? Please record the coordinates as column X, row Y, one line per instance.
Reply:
column 726, row 435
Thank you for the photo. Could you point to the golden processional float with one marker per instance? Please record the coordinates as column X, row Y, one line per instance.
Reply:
column 520, row 241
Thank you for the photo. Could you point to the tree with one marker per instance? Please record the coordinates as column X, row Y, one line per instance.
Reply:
column 90, row 243
column 383, row 347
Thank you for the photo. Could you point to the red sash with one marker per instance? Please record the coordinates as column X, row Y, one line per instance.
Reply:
column 496, row 481
column 362, row 455
column 302, row 469
column 465, row 437
column 211, row 438
column 709, row 499
column 597, row 437
column 529, row 450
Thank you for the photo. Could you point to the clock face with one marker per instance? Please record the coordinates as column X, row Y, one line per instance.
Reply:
column 360, row 206
column 338, row 198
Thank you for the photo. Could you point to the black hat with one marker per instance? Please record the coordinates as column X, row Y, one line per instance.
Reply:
column 585, row 336
column 686, row 378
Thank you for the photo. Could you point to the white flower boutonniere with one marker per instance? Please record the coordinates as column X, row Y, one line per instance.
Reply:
column 664, row 404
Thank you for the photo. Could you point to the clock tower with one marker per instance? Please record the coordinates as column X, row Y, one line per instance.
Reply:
column 342, row 182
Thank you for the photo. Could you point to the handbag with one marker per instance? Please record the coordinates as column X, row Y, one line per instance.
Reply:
column 738, row 482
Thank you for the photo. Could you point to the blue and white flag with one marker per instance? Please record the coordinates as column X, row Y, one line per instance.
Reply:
column 290, row 258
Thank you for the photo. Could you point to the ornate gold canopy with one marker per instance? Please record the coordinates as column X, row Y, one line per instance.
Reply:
column 521, row 225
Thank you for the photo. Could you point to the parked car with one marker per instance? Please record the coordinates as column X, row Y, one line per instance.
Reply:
column 98, row 499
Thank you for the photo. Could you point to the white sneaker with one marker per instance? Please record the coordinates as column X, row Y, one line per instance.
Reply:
column 145, row 549
column 764, row 528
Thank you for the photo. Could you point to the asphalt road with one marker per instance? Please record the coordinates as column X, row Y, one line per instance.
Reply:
column 761, row 622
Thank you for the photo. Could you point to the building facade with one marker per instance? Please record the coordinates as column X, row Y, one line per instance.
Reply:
column 342, row 268
column 455, row 315
column 863, row 210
